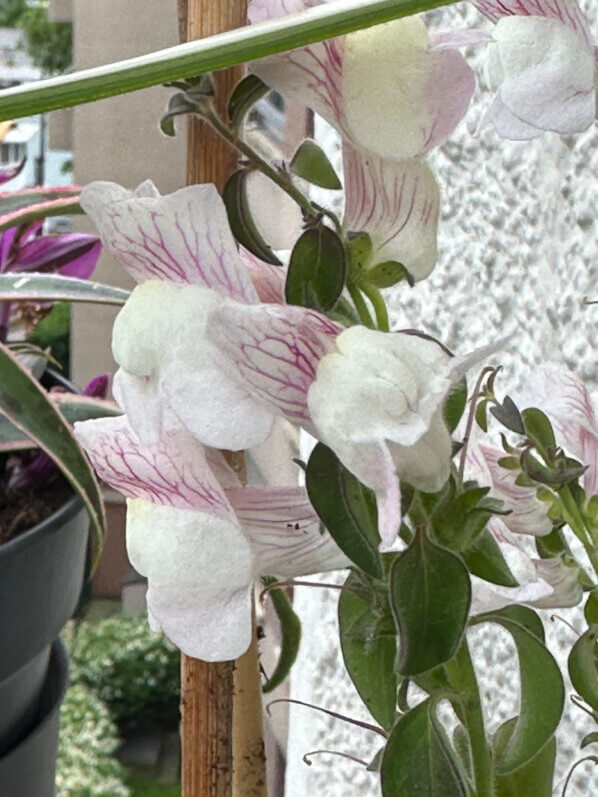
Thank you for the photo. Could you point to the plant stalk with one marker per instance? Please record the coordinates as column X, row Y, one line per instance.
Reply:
column 468, row 707
column 212, row 53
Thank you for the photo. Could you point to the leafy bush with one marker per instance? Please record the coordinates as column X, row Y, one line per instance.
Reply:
column 135, row 672
column 88, row 740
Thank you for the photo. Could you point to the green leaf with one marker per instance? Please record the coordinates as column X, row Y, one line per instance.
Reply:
column 369, row 646
column 462, row 747
column 538, row 428
column 32, row 204
column 542, row 695
column 205, row 55
column 583, row 667
column 481, row 415
column 590, row 738
column 311, row 163
column 387, row 274
column 590, row 610
column 27, row 405
column 55, row 288
column 535, row 778
column 527, row 618
column 430, row 595
column 246, row 94
column 418, row 759
column 345, row 507
column 290, row 627
column 484, row 559
column 178, row 105
column 454, row 405
column 508, row 414
column 316, row 273
column 241, row 221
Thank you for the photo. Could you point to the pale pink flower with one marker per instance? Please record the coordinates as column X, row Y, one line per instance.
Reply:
column 201, row 539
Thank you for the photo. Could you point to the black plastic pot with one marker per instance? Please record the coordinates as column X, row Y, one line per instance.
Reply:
column 41, row 578
column 28, row 769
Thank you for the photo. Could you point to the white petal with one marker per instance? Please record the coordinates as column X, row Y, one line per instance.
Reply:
column 397, row 204
column 400, row 98
column 214, row 406
column 139, row 398
column 549, row 73
column 427, row 463
column 285, row 532
column 183, row 237
column 199, row 570
column 506, row 124
column 567, row 11
column 173, row 473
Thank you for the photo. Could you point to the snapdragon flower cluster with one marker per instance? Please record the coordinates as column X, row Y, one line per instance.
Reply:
column 405, row 486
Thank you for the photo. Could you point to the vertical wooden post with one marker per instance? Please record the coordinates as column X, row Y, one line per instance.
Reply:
column 210, row 739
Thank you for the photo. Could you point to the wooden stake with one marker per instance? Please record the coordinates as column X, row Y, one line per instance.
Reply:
column 207, row 689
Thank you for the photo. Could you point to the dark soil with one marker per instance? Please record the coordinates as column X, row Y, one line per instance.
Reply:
column 23, row 509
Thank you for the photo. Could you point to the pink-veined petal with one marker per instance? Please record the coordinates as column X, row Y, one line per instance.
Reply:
column 173, row 472
column 285, row 532
column 200, row 569
column 267, row 280
column 567, row 11
column 275, row 350
column 183, row 237
column 456, row 39
column 400, row 97
column 397, row 204
column 528, row 515
column 506, row 123
column 311, row 75
column 565, row 399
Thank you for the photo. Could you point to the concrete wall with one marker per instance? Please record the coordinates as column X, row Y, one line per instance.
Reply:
column 118, row 139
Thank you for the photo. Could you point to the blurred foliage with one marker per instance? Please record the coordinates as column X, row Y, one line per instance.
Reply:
column 53, row 333
column 132, row 670
column 50, row 44
column 88, row 740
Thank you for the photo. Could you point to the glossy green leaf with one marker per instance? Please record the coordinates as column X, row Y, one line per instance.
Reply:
column 387, row 274
column 241, row 221
column 538, row 428
column 535, row 778
column 246, row 94
column 345, row 507
column 311, row 163
column 55, row 288
column 418, row 759
column 484, row 559
column 27, row 405
column 430, row 595
column 508, row 414
column 590, row 610
column 206, row 55
column 317, row 268
column 583, row 667
column 369, row 646
column 454, row 405
column 290, row 629
column 542, row 695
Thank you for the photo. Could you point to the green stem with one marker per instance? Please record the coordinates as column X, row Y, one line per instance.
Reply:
column 468, row 707
column 575, row 520
column 361, row 307
column 378, row 304
column 206, row 55
column 274, row 174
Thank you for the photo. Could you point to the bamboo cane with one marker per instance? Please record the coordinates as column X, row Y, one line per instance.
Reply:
column 211, row 739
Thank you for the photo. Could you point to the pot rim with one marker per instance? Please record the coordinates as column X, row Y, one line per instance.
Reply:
column 46, row 527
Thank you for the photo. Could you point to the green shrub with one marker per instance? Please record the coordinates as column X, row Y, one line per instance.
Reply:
column 132, row 670
column 88, row 740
